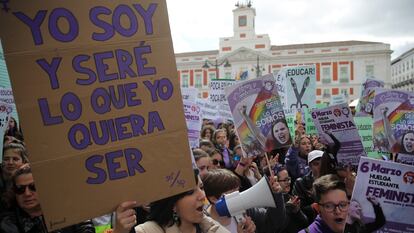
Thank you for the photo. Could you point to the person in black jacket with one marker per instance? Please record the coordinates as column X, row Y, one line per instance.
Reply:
column 354, row 223
column 303, row 185
column 295, row 218
column 24, row 213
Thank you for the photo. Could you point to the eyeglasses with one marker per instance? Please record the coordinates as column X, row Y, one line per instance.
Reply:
column 20, row 189
column 330, row 207
column 288, row 179
column 216, row 162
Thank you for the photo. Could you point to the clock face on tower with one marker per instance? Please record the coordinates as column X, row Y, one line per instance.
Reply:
column 242, row 21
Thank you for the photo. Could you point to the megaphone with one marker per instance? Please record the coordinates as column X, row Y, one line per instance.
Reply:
column 236, row 203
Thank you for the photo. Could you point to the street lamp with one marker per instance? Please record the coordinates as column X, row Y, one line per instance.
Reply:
column 216, row 64
column 258, row 68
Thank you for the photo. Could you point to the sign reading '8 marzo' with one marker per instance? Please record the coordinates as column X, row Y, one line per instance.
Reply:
column 97, row 91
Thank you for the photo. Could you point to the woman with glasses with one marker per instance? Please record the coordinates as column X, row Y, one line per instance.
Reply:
column 354, row 222
column 216, row 159
column 14, row 156
column 332, row 205
column 295, row 218
column 25, row 213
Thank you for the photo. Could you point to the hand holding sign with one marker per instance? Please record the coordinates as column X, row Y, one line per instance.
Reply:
column 125, row 217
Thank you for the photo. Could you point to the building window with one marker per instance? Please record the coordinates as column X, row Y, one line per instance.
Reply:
column 326, row 93
column 369, row 70
column 198, row 81
column 227, row 75
column 184, row 80
column 344, row 92
column 211, row 76
column 275, row 72
column 242, row 21
column 326, row 74
column 343, row 74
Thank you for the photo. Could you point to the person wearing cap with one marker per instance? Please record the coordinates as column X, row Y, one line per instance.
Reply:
column 303, row 185
column 314, row 162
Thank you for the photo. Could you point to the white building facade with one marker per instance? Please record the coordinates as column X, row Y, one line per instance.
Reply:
column 341, row 66
column 402, row 71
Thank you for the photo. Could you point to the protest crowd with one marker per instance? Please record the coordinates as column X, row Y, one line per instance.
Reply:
column 104, row 119
column 312, row 192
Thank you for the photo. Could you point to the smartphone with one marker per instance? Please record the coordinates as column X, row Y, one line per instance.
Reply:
column 236, row 157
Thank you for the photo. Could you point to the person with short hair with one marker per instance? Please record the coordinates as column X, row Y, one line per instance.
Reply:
column 221, row 181
column 332, row 205
column 25, row 213
column 14, row 156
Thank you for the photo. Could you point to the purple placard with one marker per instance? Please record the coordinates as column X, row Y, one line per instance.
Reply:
column 366, row 101
column 392, row 186
column 192, row 117
column 338, row 121
column 258, row 115
column 394, row 121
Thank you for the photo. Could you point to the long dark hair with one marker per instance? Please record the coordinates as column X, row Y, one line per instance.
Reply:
column 162, row 210
column 15, row 131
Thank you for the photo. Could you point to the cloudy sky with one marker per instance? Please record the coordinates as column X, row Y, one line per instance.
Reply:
column 197, row 25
